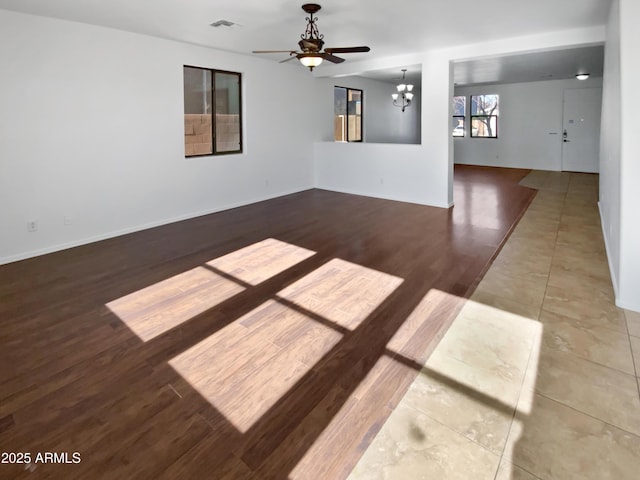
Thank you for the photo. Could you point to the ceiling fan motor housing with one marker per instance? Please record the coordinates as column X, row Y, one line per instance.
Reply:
column 311, row 7
column 311, row 45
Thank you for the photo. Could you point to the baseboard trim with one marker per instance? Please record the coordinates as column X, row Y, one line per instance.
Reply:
column 614, row 279
column 138, row 228
column 384, row 197
column 634, row 307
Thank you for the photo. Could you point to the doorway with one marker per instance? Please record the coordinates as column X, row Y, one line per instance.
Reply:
column 581, row 129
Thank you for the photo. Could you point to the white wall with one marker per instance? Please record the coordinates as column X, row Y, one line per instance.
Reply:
column 91, row 127
column 379, row 170
column 610, row 144
column 529, row 126
column 384, row 123
column 620, row 153
column 412, row 173
column 629, row 281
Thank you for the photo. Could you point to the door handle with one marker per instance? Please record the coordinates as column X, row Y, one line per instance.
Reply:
column 566, row 141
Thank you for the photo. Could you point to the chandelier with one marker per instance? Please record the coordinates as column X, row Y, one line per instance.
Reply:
column 404, row 96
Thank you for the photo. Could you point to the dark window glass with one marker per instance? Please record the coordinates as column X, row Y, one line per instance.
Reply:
column 207, row 91
column 347, row 106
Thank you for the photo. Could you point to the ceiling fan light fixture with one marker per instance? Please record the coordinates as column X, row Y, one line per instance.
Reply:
column 310, row 60
column 582, row 76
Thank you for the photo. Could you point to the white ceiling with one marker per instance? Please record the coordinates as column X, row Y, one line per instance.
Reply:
column 393, row 75
column 529, row 67
column 388, row 27
column 549, row 65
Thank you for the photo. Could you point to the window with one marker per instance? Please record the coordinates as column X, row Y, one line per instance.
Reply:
column 207, row 91
column 484, row 116
column 459, row 115
column 347, row 104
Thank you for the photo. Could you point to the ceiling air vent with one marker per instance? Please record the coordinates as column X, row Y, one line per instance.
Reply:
column 223, row 23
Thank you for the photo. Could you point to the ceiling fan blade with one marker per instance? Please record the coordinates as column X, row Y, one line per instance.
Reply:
column 287, row 59
column 332, row 58
column 291, row 52
column 347, row 49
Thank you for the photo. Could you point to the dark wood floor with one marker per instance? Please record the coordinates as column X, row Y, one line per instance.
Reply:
column 268, row 341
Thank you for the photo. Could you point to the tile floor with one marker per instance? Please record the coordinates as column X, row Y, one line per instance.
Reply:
column 537, row 376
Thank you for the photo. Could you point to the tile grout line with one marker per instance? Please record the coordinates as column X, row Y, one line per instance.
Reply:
column 450, row 428
column 515, row 409
column 587, row 414
column 536, row 392
column 626, row 323
column 608, row 367
column 633, row 358
column 555, row 247
column 453, row 430
column 590, row 323
column 540, row 309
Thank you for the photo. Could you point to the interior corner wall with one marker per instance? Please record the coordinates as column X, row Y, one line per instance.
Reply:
column 382, row 122
column 91, row 129
column 629, row 280
column 529, row 126
column 411, row 173
column 610, row 145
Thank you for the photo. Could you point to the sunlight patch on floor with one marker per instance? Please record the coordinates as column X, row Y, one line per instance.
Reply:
column 259, row 262
column 245, row 369
column 487, row 350
column 343, row 292
column 158, row 308
column 457, row 414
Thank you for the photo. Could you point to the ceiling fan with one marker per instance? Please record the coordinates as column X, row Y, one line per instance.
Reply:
column 311, row 43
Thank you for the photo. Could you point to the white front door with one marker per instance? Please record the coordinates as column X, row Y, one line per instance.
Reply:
column 581, row 129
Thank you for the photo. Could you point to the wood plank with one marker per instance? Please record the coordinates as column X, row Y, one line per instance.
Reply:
column 207, row 456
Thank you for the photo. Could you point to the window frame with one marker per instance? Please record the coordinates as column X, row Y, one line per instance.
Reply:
column 214, row 151
column 347, row 114
column 484, row 116
column 463, row 117
column 464, row 124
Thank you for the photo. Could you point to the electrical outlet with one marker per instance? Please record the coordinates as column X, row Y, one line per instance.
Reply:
column 66, row 220
column 32, row 226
